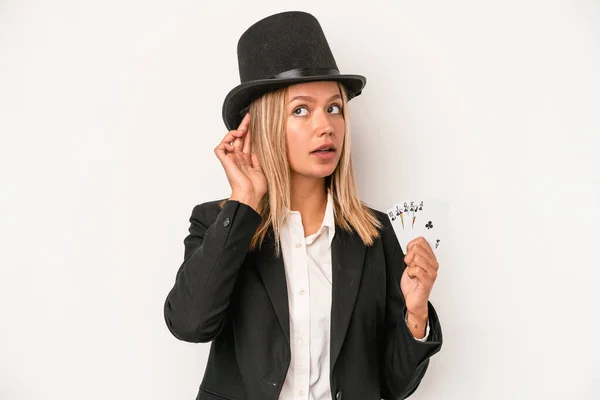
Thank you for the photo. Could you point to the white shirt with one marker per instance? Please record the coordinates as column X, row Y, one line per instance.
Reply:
column 308, row 273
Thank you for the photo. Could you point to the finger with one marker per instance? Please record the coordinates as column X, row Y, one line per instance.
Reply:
column 421, row 252
column 424, row 264
column 247, row 143
column 231, row 139
column 415, row 272
column 421, row 243
column 245, row 122
column 239, row 143
column 419, row 273
column 222, row 149
column 231, row 136
column 226, row 144
column 224, row 153
column 422, row 261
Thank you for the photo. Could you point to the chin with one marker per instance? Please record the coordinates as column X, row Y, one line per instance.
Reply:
column 316, row 170
column 322, row 171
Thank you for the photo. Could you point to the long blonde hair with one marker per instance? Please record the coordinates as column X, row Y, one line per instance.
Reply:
column 268, row 127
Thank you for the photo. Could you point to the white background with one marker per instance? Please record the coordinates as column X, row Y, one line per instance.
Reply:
column 109, row 113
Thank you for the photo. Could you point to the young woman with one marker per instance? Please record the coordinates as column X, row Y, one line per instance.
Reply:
column 302, row 289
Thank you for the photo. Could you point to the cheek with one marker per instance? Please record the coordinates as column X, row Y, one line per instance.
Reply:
column 340, row 127
column 295, row 142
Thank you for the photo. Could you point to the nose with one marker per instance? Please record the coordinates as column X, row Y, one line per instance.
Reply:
column 322, row 124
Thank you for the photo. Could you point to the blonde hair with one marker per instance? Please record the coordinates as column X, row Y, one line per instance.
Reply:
column 268, row 127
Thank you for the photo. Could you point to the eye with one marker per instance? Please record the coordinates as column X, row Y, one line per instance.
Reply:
column 297, row 111
column 334, row 109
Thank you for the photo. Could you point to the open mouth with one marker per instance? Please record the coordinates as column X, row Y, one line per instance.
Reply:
column 324, row 153
column 324, row 148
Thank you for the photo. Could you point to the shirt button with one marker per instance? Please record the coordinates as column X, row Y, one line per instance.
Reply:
column 298, row 245
column 226, row 222
column 301, row 292
column 301, row 393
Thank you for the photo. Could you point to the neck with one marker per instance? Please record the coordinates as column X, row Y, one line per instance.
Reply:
column 309, row 197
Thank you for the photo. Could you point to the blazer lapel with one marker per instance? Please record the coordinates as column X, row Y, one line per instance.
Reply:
column 272, row 272
column 347, row 261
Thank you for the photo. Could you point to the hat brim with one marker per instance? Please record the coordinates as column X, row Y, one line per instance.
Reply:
column 242, row 95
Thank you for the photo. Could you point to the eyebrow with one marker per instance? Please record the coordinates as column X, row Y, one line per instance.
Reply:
column 312, row 100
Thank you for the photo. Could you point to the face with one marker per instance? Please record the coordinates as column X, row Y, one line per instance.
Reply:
column 315, row 128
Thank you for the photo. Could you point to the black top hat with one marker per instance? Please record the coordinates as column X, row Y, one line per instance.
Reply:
column 278, row 51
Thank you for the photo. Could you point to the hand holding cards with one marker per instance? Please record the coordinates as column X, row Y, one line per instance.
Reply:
column 411, row 219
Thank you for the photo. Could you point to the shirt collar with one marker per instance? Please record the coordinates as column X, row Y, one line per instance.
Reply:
column 328, row 219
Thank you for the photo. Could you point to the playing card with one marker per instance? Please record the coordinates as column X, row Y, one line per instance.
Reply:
column 411, row 219
column 402, row 216
column 398, row 217
column 431, row 222
column 417, row 208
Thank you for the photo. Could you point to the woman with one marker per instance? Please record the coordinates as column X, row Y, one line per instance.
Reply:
column 302, row 289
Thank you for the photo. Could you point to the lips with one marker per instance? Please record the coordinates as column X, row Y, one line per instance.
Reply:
column 327, row 147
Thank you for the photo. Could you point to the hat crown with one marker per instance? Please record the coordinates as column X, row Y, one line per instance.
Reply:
column 282, row 50
column 283, row 42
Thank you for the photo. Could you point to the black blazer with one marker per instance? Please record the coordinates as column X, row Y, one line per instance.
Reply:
column 238, row 300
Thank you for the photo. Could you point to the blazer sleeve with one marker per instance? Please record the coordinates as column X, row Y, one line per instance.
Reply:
column 404, row 359
column 215, row 249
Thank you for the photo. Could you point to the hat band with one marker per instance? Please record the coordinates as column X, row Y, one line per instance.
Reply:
column 305, row 72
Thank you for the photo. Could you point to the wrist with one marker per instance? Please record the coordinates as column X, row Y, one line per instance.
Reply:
column 247, row 199
column 419, row 316
column 417, row 325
